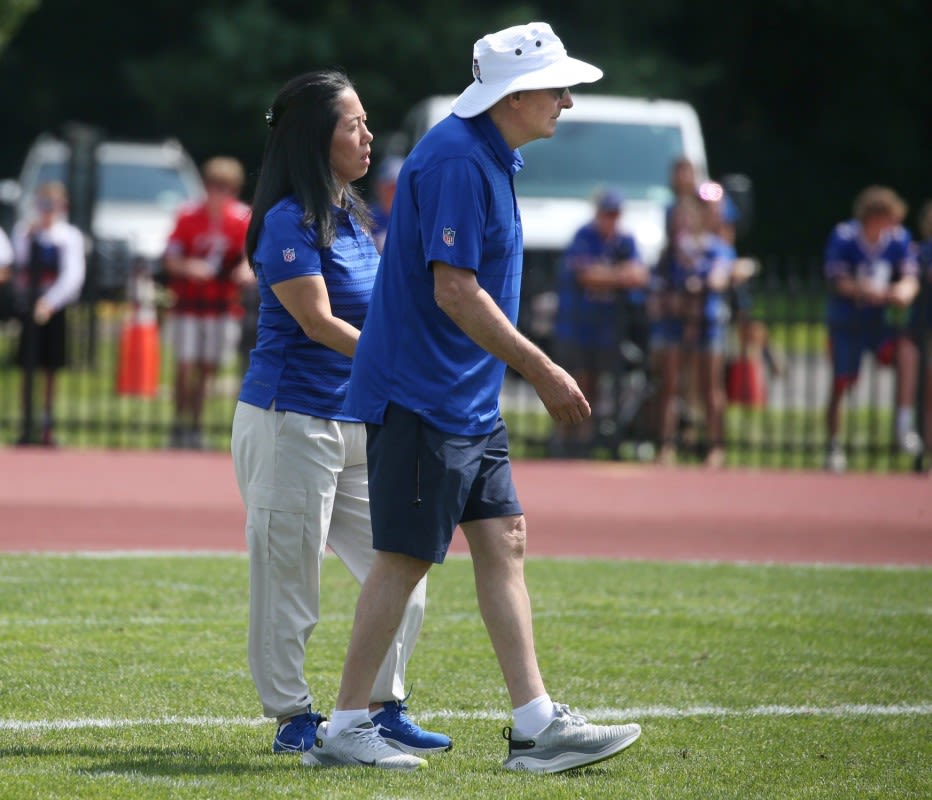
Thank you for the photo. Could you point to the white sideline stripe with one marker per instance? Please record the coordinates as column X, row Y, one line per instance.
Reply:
column 105, row 555
column 595, row 714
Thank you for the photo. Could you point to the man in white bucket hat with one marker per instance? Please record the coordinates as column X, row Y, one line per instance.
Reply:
column 426, row 379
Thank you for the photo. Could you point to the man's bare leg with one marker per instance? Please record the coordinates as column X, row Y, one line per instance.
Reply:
column 379, row 610
column 497, row 547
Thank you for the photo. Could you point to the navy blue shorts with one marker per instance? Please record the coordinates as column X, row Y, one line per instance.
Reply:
column 423, row 482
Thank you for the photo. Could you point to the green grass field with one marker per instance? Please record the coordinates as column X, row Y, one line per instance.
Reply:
column 126, row 676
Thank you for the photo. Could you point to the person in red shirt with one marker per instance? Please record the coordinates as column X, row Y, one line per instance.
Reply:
column 206, row 267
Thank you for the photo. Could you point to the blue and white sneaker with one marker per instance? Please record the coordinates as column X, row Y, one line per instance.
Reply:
column 297, row 734
column 400, row 731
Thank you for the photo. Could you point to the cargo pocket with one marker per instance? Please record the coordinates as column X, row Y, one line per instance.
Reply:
column 275, row 523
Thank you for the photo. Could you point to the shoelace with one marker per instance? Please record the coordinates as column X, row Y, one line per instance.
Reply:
column 395, row 711
column 370, row 738
column 572, row 717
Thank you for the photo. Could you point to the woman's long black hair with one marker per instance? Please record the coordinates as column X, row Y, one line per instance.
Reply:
column 296, row 160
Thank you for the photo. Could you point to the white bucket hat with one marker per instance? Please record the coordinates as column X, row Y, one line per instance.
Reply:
column 516, row 59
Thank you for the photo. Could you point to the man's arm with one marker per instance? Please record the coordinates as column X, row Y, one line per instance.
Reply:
column 858, row 291
column 458, row 294
column 67, row 286
column 629, row 274
column 178, row 265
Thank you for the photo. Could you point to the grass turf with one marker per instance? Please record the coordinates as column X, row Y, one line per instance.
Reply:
column 126, row 677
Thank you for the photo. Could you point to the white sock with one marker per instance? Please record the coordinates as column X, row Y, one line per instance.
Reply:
column 348, row 718
column 531, row 718
column 905, row 416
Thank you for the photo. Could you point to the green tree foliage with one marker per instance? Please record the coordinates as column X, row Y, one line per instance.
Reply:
column 12, row 14
column 230, row 70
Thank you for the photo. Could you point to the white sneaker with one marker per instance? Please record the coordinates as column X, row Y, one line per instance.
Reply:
column 569, row 741
column 835, row 459
column 357, row 747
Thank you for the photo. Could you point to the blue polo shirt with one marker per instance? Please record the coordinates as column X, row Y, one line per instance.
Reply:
column 848, row 255
column 455, row 203
column 287, row 367
column 591, row 317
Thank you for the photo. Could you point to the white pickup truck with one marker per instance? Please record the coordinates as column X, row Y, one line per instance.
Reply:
column 627, row 143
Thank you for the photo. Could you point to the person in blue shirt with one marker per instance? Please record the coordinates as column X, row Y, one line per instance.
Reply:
column 683, row 183
column 600, row 269
column 427, row 377
column 920, row 320
column 386, row 180
column 691, row 284
column 300, row 459
column 871, row 269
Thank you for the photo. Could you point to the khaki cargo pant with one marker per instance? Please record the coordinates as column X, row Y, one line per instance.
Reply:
column 304, row 483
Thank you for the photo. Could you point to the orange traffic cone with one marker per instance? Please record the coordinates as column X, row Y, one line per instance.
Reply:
column 139, row 356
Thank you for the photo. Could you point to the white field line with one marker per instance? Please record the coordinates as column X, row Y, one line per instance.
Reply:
column 842, row 711
column 105, row 555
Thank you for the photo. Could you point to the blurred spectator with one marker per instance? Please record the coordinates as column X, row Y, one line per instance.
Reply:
column 746, row 373
column 386, row 179
column 872, row 270
column 600, row 267
column 692, row 310
column 48, row 273
column 206, row 266
column 683, row 185
column 7, row 296
column 921, row 316
column 721, row 214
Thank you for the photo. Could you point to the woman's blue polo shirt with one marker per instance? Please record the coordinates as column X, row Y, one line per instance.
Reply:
column 287, row 367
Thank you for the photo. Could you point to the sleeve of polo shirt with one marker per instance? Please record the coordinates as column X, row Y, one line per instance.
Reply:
column 580, row 253
column 631, row 250
column 453, row 207
column 287, row 248
column 837, row 264
column 905, row 263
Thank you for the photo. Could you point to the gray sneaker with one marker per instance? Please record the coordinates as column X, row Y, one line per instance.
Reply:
column 568, row 742
column 357, row 747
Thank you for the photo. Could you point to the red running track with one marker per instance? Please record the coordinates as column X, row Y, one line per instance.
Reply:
column 60, row 500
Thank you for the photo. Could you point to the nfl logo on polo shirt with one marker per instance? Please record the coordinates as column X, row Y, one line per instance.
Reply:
column 449, row 234
column 288, row 254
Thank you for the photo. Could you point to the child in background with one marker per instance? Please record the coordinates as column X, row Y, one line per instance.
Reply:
column 871, row 268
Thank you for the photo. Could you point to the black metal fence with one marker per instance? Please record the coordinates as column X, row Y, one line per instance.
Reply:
column 117, row 390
